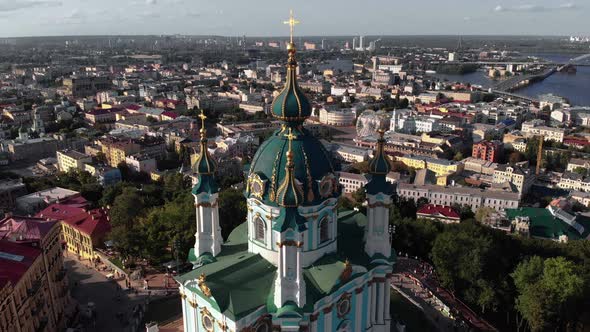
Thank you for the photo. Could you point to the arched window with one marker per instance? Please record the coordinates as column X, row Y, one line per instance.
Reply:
column 324, row 230
column 259, row 230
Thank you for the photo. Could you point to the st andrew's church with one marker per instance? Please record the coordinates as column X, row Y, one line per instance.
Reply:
column 296, row 263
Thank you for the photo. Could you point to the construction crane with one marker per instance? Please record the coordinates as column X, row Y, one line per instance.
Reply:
column 539, row 153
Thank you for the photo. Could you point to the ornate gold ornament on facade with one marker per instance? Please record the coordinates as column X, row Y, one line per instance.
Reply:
column 207, row 320
column 256, row 186
column 202, row 286
column 347, row 272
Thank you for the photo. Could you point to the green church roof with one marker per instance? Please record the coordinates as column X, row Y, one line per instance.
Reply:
column 545, row 225
column 241, row 282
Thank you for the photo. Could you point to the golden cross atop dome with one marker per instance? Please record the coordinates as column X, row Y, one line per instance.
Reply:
column 290, row 137
column 202, row 116
column 291, row 22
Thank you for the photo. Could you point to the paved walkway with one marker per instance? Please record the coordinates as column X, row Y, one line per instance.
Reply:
column 113, row 305
column 421, row 282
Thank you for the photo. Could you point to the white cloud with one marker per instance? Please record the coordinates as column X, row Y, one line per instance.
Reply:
column 13, row 5
column 533, row 8
column 150, row 2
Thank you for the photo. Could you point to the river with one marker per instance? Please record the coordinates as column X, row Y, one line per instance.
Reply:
column 574, row 87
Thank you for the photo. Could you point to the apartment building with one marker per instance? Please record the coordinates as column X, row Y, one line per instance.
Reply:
column 577, row 163
column 520, row 178
column 34, row 292
column 574, row 181
column 70, row 159
column 450, row 195
column 82, row 229
column 486, row 150
column 351, row 182
column 438, row 166
column 537, row 128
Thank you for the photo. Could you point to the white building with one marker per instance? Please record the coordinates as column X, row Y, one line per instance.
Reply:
column 351, row 182
column 473, row 197
column 141, row 163
column 351, row 154
column 537, row 128
column 337, row 117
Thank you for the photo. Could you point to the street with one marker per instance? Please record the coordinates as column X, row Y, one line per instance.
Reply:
column 88, row 285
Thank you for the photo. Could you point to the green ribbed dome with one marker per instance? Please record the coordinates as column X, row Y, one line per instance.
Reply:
column 291, row 104
column 312, row 164
column 204, row 164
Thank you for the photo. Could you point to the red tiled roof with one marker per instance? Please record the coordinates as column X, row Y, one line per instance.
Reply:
column 576, row 141
column 13, row 270
column 170, row 114
column 25, row 229
column 99, row 111
column 439, row 210
column 91, row 222
column 133, row 107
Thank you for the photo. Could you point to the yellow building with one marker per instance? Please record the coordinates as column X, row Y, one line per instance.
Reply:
column 439, row 166
column 34, row 293
column 117, row 150
column 70, row 159
column 82, row 229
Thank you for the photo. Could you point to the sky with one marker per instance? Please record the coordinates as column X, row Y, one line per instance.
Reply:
column 318, row 18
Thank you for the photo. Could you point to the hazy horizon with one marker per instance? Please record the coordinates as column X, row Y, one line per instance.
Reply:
column 263, row 18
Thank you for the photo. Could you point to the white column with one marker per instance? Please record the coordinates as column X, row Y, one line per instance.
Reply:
column 387, row 298
column 328, row 320
column 184, row 314
column 380, row 305
column 314, row 324
column 195, row 318
column 374, row 303
column 370, row 306
column 358, row 309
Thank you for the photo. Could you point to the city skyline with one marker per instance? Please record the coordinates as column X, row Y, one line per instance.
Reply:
column 22, row 18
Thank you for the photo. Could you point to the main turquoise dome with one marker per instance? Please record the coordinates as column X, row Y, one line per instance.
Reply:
column 312, row 169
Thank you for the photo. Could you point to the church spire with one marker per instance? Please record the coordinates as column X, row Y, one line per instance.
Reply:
column 204, row 165
column 291, row 105
column 379, row 164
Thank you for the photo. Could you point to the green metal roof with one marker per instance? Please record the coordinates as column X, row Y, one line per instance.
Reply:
column 289, row 218
column 205, row 184
column 545, row 225
column 242, row 282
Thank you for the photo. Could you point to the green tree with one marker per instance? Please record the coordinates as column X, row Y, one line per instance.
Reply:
column 549, row 291
column 232, row 210
column 483, row 212
column 124, row 213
